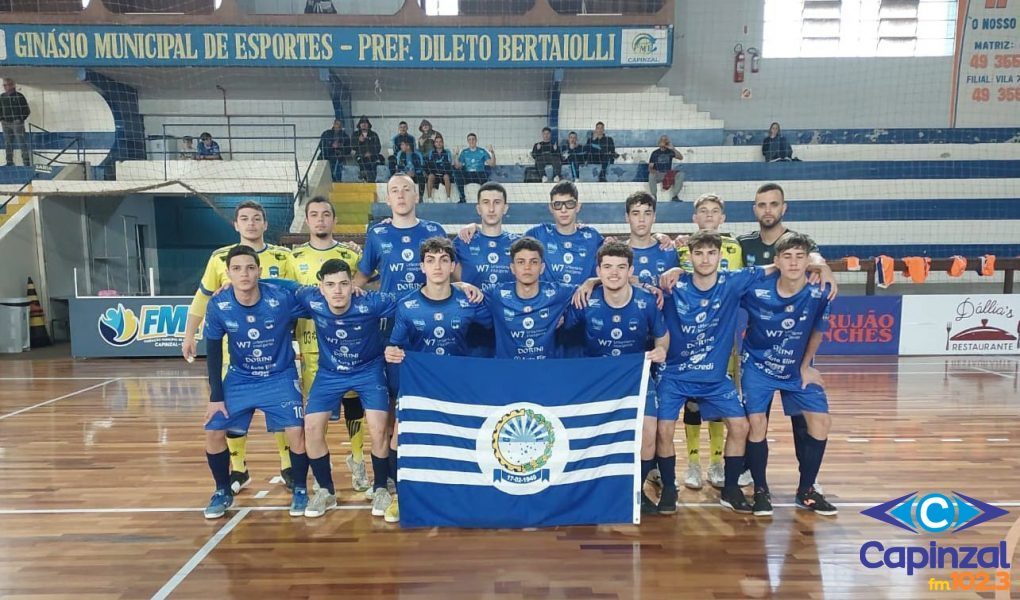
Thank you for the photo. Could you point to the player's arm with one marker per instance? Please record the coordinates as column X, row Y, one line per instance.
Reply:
column 474, row 295
column 821, row 273
column 809, row 374
column 214, row 333
column 583, row 292
column 199, row 304
column 658, row 353
column 394, row 353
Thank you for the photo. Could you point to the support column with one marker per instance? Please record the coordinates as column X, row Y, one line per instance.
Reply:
column 128, row 125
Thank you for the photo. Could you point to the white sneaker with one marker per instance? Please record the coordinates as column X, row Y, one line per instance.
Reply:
column 370, row 494
column 321, row 502
column 359, row 478
column 545, row 179
column 745, row 479
column 693, row 478
column 717, row 475
column 381, row 502
column 556, row 179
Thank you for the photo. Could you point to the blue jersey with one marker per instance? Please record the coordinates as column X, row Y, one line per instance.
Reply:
column 614, row 331
column 651, row 262
column 702, row 325
column 437, row 326
column 778, row 329
column 352, row 340
column 526, row 329
column 570, row 258
column 485, row 261
column 474, row 160
column 258, row 337
column 395, row 253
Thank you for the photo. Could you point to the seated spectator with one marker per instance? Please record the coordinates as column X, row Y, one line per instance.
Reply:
column 367, row 150
column 573, row 154
column 600, row 149
column 335, row 147
column 775, row 147
column 320, row 7
column 471, row 163
column 547, row 156
column 401, row 136
column 427, row 137
column 208, row 149
column 410, row 162
column 438, row 167
column 660, row 169
column 187, row 148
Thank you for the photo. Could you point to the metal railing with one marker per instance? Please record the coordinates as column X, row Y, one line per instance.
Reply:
column 72, row 141
column 172, row 132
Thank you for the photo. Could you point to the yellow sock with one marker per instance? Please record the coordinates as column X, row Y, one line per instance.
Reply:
column 284, row 449
column 356, row 428
column 693, row 443
column 716, row 440
column 237, row 447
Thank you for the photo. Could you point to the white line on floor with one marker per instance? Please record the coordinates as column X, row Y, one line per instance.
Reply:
column 904, row 440
column 261, row 494
column 951, row 440
column 858, row 440
column 171, row 585
column 95, row 378
column 128, row 510
column 997, row 439
column 28, row 408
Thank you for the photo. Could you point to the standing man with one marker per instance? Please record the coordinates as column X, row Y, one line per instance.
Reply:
column 471, row 164
column 600, row 149
column 308, row 260
column 651, row 259
column 335, row 147
column 275, row 261
column 367, row 150
column 255, row 320
column 660, row 169
column 14, row 112
column 547, row 155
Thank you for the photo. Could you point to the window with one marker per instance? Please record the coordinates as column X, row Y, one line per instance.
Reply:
column 848, row 28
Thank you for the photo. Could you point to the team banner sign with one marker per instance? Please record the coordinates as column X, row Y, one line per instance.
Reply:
column 326, row 47
column 129, row 326
column 503, row 443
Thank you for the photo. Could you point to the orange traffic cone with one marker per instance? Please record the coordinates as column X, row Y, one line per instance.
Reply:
column 36, row 318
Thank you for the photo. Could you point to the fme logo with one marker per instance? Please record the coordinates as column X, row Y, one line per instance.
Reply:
column 645, row 46
column 118, row 326
column 157, row 324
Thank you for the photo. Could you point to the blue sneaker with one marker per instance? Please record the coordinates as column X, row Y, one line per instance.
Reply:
column 299, row 502
column 218, row 504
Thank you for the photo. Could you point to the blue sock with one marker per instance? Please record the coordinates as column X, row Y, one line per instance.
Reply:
column 646, row 468
column 323, row 472
column 380, row 469
column 758, row 460
column 800, row 436
column 814, row 451
column 299, row 469
column 392, row 465
column 667, row 469
column 219, row 464
column 734, row 466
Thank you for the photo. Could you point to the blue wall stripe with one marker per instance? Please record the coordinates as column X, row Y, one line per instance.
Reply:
column 962, row 135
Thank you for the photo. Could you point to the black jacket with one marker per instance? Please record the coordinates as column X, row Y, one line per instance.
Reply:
column 14, row 107
column 343, row 148
column 370, row 146
column 544, row 149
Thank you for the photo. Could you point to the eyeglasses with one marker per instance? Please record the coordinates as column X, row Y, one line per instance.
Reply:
column 561, row 204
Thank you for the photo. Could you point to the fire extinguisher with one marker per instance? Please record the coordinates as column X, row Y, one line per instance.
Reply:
column 755, row 59
column 738, row 63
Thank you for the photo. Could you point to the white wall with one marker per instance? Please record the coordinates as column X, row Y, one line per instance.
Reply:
column 67, row 108
column 19, row 244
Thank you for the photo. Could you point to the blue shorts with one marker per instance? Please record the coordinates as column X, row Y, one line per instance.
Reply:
column 716, row 400
column 330, row 386
column 651, row 400
column 759, row 389
column 278, row 397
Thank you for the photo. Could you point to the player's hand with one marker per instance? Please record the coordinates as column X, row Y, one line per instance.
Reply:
column 215, row 407
column 681, row 240
column 352, row 246
column 490, row 149
column 189, row 348
column 222, row 288
column 668, row 279
column 356, row 291
column 656, row 355
column 809, row 375
column 660, row 299
column 583, row 292
column 823, row 276
column 665, row 242
column 386, row 221
column 467, row 232
column 394, row 355
column 474, row 295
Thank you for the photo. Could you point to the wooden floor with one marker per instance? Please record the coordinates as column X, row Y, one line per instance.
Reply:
column 104, row 480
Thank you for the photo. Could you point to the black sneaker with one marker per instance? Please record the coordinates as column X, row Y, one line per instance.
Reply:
column 762, row 504
column 239, row 480
column 733, row 499
column 813, row 501
column 647, row 506
column 667, row 501
column 288, row 478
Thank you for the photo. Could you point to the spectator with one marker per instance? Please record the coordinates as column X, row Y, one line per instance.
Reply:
column 471, row 163
column 401, row 136
column 775, row 147
column 188, row 148
column 573, row 154
column 427, row 139
column 660, row 169
column 208, row 149
column 368, row 150
column 320, row 7
column 410, row 162
column 14, row 112
column 600, row 149
column 335, row 147
column 547, row 155
column 439, row 167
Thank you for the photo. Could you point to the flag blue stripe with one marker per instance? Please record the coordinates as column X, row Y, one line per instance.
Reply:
column 593, row 420
column 601, row 440
column 431, row 416
column 590, row 463
column 438, row 464
column 431, row 439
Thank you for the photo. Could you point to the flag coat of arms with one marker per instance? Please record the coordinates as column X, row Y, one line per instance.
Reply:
column 505, row 443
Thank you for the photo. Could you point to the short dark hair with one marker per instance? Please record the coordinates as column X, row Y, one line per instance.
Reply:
column 639, row 198
column 319, row 200
column 402, row 123
column 563, row 188
column 704, row 237
column 771, row 187
column 241, row 250
column 600, row 123
column 792, row 240
column 437, row 244
column 710, row 197
column 491, row 186
column 249, row 204
column 205, row 136
column 331, row 266
column 438, row 136
column 571, row 133
column 526, row 243
column 617, row 249
column 544, row 129
column 472, row 135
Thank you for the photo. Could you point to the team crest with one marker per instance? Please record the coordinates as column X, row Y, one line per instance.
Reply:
column 524, row 447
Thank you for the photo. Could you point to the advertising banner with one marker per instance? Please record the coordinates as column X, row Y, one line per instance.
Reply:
column 960, row 325
column 129, row 326
column 863, row 325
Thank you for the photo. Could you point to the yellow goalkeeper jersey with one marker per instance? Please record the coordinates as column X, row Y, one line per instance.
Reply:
column 275, row 261
column 732, row 256
column 307, row 262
